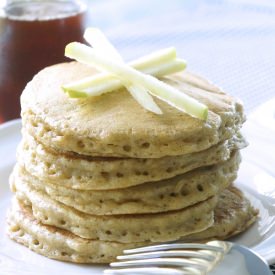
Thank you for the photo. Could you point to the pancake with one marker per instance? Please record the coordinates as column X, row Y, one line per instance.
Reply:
column 114, row 124
column 98, row 173
column 164, row 226
column 62, row 245
column 151, row 197
column 233, row 214
column 59, row 244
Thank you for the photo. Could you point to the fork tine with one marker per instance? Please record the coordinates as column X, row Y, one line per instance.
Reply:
column 146, row 270
column 170, row 253
column 172, row 256
column 174, row 246
column 174, row 262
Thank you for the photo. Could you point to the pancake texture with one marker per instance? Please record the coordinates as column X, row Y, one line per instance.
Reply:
column 62, row 245
column 152, row 197
column 233, row 214
column 98, row 175
column 95, row 173
column 164, row 226
column 99, row 126
column 59, row 244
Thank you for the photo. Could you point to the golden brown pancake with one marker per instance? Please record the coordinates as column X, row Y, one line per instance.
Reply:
column 151, row 197
column 114, row 124
column 60, row 244
column 233, row 214
column 99, row 173
column 155, row 227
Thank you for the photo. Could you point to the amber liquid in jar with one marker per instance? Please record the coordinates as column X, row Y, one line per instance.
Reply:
column 33, row 35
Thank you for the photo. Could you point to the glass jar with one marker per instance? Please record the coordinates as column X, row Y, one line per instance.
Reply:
column 33, row 35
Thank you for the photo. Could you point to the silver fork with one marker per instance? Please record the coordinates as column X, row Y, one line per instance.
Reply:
column 215, row 257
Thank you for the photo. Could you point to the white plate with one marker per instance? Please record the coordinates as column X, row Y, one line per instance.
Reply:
column 254, row 179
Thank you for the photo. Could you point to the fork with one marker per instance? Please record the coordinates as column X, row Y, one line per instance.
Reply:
column 215, row 257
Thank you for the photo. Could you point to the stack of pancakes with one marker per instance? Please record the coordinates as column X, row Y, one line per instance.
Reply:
column 98, row 175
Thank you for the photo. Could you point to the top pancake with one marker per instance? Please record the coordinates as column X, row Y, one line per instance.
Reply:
column 114, row 124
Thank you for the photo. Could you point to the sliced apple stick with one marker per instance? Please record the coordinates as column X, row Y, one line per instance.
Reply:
column 99, row 41
column 155, row 59
column 159, row 63
column 151, row 64
column 101, row 44
column 102, row 83
column 141, row 95
column 171, row 67
column 169, row 94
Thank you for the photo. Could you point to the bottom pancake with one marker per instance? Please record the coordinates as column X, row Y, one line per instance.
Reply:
column 59, row 244
column 233, row 215
column 160, row 227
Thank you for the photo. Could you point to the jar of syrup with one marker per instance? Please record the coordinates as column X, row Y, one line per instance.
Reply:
column 33, row 35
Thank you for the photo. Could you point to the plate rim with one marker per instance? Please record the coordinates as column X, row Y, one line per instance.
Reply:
column 7, row 126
